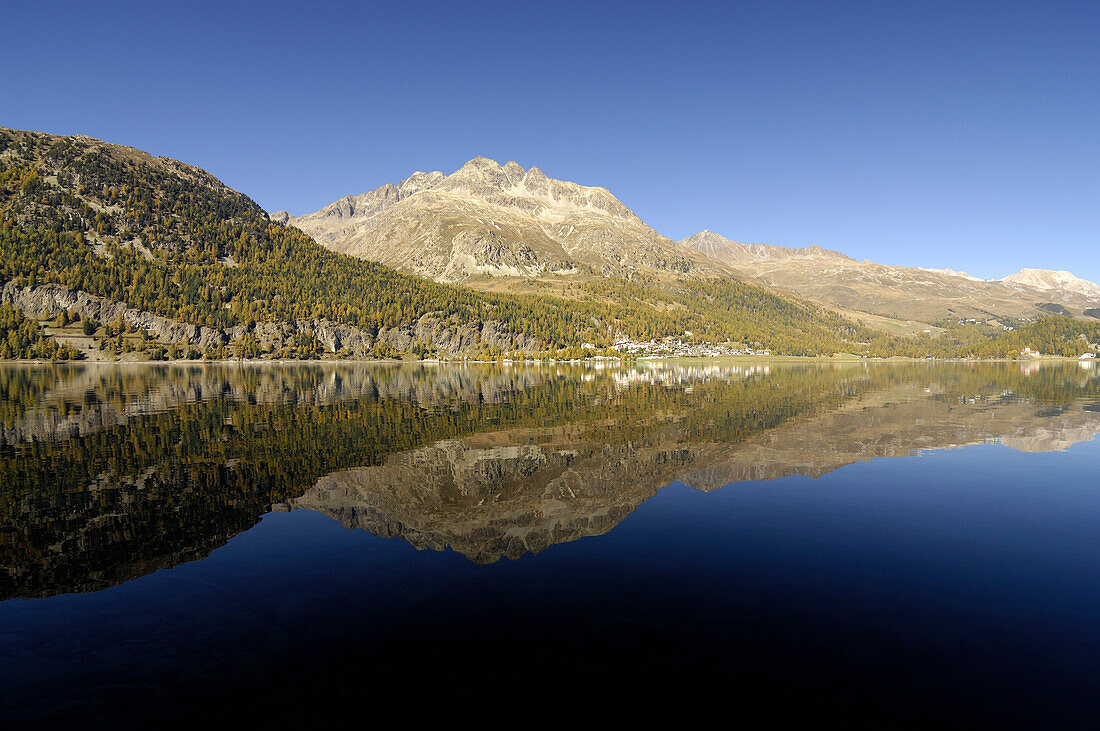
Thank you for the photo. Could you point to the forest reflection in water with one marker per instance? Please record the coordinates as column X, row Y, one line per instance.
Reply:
column 110, row 473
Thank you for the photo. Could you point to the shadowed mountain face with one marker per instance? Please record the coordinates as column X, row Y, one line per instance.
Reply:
column 831, row 278
column 109, row 474
column 488, row 220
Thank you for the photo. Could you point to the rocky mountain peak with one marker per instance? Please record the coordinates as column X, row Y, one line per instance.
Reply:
column 420, row 181
column 478, row 177
column 488, row 219
column 479, row 166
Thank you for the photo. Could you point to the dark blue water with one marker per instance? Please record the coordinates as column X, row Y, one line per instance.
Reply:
column 954, row 586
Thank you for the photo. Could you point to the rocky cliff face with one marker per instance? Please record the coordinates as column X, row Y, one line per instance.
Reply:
column 492, row 220
column 47, row 301
column 448, row 337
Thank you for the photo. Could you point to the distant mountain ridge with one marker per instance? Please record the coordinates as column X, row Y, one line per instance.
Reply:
column 831, row 278
column 1056, row 281
column 1040, row 279
column 729, row 251
column 493, row 226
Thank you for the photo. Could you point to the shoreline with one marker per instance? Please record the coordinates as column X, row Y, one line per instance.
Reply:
column 694, row 360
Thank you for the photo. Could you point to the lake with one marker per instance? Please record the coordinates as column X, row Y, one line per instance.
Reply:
column 854, row 544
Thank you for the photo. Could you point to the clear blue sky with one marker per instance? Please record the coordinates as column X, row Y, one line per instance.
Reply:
column 953, row 134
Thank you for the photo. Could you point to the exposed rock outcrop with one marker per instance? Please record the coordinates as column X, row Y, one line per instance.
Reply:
column 447, row 337
column 48, row 300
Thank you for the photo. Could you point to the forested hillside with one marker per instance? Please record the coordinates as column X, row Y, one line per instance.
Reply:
column 23, row 338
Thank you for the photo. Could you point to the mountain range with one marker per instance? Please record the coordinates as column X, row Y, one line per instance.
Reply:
column 107, row 252
column 489, row 225
column 834, row 279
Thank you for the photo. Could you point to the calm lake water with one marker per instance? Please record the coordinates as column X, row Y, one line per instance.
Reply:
column 852, row 544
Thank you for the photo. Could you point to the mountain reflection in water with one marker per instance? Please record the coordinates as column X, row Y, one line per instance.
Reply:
column 110, row 473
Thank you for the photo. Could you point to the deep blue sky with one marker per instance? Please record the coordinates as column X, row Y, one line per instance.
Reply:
column 962, row 135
